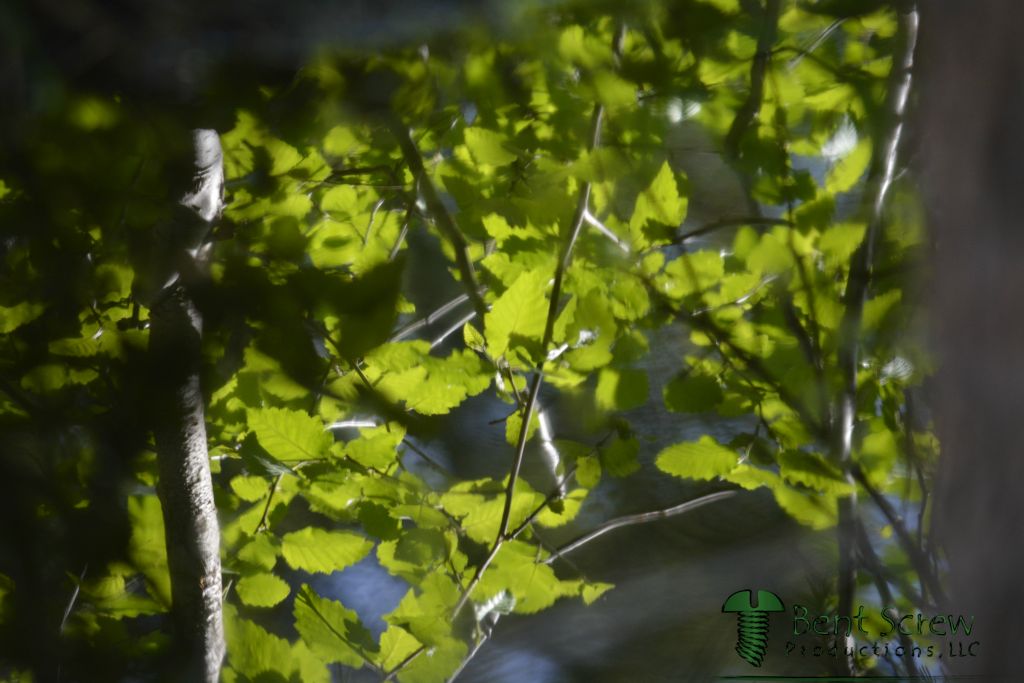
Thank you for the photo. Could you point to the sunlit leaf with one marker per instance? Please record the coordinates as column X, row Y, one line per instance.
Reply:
column 702, row 459
column 289, row 435
column 318, row 550
column 262, row 590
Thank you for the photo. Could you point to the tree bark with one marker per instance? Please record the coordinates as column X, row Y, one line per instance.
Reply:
column 971, row 115
column 185, row 486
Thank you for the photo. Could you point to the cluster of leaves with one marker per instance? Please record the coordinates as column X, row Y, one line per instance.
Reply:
column 543, row 167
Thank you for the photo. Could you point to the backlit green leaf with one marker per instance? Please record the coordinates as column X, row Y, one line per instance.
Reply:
column 261, row 590
column 661, row 204
column 330, row 630
column 702, row 459
column 489, row 147
column 519, row 313
column 290, row 435
column 318, row 550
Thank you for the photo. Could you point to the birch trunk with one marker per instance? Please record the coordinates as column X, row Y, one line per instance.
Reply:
column 185, row 486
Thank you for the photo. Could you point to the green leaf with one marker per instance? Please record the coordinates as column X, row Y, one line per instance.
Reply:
column 427, row 384
column 813, row 471
column 488, row 147
column 259, row 552
column 588, row 470
column 612, row 90
column 878, row 453
column 878, row 308
column 330, row 630
column 577, row 46
column 690, row 393
column 479, row 504
column 771, row 255
column 309, row 667
column 376, row 446
column 342, row 141
column 514, row 424
column 253, row 651
column 250, row 488
column 416, row 552
column 661, row 204
column 13, row 317
column 563, row 510
column 426, row 612
column 147, row 548
column 839, row 242
column 534, row 586
column 621, row 389
column 816, row 510
column 519, row 313
column 395, row 645
column 849, row 170
column 750, row 478
column 290, row 435
column 619, row 458
column 317, row 550
column 261, row 590
column 441, row 662
column 590, row 592
column 703, row 459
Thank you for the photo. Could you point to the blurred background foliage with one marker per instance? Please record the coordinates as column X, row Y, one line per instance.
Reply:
column 619, row 245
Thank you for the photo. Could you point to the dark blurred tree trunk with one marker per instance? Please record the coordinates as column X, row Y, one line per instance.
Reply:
column 185, row 486
column 972, row 111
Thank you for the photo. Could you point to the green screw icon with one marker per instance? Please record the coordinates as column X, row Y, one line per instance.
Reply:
column 753, row 622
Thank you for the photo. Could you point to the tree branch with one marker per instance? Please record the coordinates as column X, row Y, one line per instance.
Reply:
column 641, row 518
column 880, row 180
column 758, row 68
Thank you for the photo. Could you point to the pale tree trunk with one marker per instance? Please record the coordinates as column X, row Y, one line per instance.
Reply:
column 185, row 486
column 973, row 143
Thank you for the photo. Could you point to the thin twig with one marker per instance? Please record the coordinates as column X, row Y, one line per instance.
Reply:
column 73, row 598
column 453, row 329
column 914, row 552
column 433, row 317
column 397, row 246
column 262, row 526
column 805, row 51
column 373, row 216
column 916, row 464
column 555, row 494
column 436, row 466
column 874, row 565
column 641, row 518
column 606, row 231
column 390, row 675
column 465, row 662
column 729, row 223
